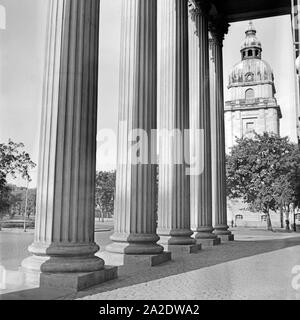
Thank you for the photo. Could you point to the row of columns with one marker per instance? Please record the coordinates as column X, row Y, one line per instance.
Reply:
column 64, row 239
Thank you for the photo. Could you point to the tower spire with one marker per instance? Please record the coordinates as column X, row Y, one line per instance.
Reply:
column 251, row 29
column 251, row 47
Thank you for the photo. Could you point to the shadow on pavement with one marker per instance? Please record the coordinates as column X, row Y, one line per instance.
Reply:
column 225, row 252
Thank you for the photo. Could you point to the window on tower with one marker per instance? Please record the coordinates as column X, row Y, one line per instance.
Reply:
column 250, row 53
column 249, row 94
column 249, row 127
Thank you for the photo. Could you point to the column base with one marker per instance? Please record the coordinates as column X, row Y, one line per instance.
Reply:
column 63, row 258
column 179, row 245
column 176, row 237
column 205, row 233
column 65, row 266
column 226, row 237
column 78, row 281
column 70, row 280
column 222, row 232
column 181, row 250
column 207, row 243
column 134, row 244
column 134, row 262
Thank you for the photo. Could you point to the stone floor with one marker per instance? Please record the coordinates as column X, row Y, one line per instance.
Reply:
column 258, row 265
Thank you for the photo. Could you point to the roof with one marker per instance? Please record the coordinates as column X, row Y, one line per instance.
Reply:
column 251, row 71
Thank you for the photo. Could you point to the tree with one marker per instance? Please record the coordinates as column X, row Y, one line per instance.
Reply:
column 18, row 200
column 263, row 171
column 4, row 202
column 105, row 192
column 14, row 161
column 31, row 202
column 15, row 201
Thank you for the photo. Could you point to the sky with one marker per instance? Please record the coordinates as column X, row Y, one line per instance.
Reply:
column 22, row 61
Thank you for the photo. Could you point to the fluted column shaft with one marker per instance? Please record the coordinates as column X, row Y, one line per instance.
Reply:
column 135, row 202
column 201, row 185
column 212, row 78
column 194, row 52
column 64, row 237
column 174, row 181
column 218, row 28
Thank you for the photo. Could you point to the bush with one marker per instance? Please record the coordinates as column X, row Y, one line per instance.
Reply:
column 17, row 224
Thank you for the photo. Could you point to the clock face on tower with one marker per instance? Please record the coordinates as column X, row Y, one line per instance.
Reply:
column 249, row 77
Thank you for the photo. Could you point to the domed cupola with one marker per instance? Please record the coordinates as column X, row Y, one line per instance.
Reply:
column 251, row 46
column 252, row 70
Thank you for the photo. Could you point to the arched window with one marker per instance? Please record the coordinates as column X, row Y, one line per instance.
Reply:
column 250, row 53
column 2, row 18
column 249, row 94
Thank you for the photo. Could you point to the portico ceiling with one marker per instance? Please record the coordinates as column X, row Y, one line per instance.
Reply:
column 238, row 10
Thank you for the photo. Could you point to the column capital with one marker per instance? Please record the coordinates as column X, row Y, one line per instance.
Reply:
column 218, row 26
column 199, row 8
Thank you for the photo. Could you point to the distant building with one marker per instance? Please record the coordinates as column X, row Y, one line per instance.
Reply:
column 252, row 106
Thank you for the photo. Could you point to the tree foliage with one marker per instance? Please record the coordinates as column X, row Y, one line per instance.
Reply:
column 12, row 201
column 18, row 199
column 105, row 192
column 14, row 161
column 264, row 172
column 5, row 200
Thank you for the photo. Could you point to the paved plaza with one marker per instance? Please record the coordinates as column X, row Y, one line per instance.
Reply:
column 14, row 244
column 258, row 265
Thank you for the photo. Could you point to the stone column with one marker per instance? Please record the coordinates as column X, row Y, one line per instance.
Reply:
column 135, row 238
column 64, row 248
column 219, row 27
column 201, row 184
column 174, row 181
column 194, row 78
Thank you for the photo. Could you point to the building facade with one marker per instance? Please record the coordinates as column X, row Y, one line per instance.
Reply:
column 252, row 106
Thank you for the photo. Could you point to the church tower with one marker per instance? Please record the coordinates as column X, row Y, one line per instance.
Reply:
column 252, row 106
